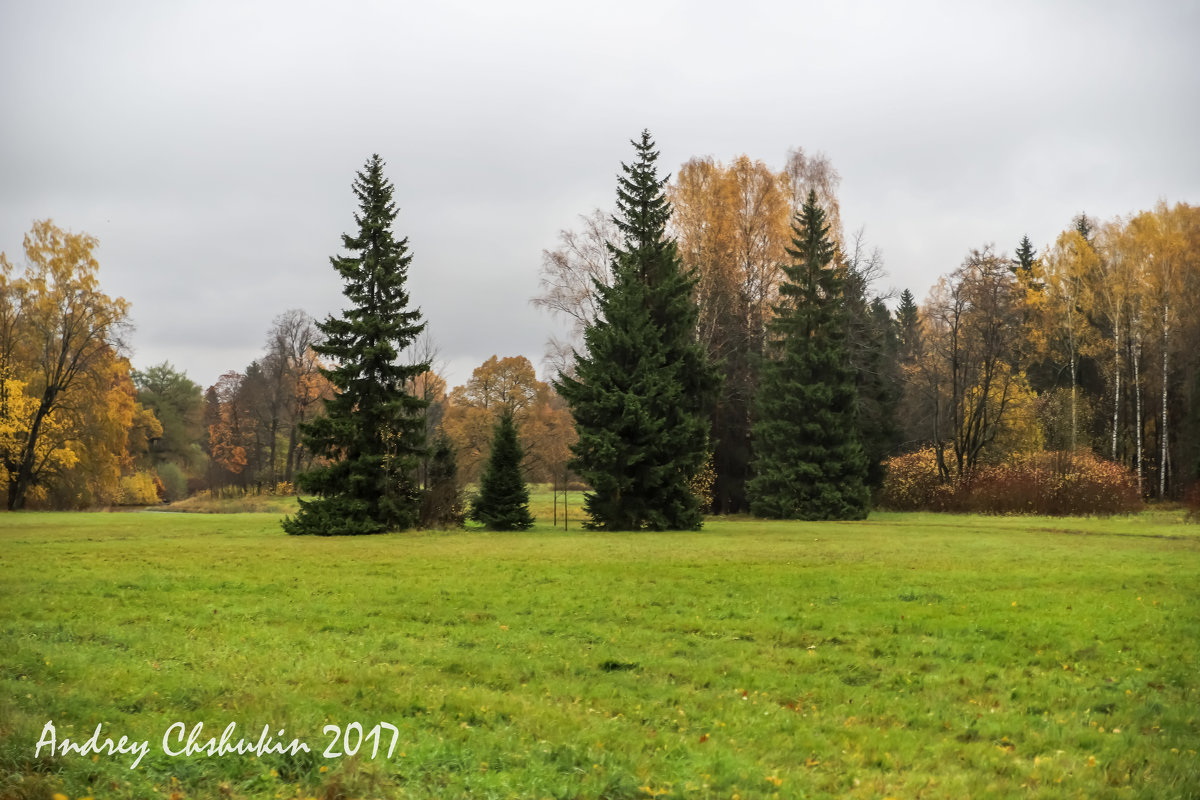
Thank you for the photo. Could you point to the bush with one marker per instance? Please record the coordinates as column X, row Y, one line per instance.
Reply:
column 138, row 489
column 175, row 483
column 1191, row 499
column 912, row 483
column 1051, row 484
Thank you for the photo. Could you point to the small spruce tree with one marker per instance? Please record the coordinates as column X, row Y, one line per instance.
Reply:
column 503, row 501
column 809, row 461
column 373, row 432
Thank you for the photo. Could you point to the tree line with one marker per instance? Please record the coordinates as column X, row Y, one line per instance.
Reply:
column 687, row 305
column 1091, row 345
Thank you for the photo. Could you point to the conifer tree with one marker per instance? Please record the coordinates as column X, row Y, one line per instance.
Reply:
column 1083, row 224
column 908, row 323
column 1023, row 265
column 503, row 501
column 809, row 461
column 373, row 432
column 441, row 501
column 643, row 390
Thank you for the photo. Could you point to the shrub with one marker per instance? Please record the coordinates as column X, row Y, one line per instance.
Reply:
column 1053, row 484
column 912, row 483
column 175, row 483
column 1191, row 499
column 138, row 490
column 703, row 482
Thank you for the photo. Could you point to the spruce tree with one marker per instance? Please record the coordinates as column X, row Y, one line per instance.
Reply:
column 1084, row 226
column 441, row 500
column 503, row 501
column 1023, row 265
column 373, row 432
column 809, row 462
column 642, row 392
column 908, row 323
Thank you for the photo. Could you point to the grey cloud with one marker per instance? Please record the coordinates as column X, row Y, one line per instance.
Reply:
column 211, row 146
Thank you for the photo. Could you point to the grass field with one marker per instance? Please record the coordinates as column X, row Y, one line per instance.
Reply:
column 905, row 656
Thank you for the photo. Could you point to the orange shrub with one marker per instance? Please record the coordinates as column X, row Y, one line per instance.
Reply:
column 912, row 483
column 1053, row 484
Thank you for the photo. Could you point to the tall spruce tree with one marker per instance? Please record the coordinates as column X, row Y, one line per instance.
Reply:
column 643, row 390
column 908, row 324
column 809, row 461
column 373, row 432
column 503, row 501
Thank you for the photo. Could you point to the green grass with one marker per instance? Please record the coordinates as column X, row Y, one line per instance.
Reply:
column 912, row 655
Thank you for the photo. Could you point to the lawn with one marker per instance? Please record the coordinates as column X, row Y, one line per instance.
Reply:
column 910, row 655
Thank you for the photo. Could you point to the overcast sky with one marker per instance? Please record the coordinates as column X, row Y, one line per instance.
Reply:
column 210, row 146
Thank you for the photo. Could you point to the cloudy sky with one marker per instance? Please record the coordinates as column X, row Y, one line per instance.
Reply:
column 210, row 146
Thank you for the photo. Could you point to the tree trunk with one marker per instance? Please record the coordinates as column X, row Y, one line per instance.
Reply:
column 1116, row 384
column 1162, row 436
column 18, row 486
column 1074, row 414
column 1137, row 393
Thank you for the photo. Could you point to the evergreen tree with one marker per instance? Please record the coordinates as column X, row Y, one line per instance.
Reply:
column 908, row 322
column 642, row 392
column 878, row 385
column 503, row 501
column 1084, row 225
column 373, row 432
column 809, row 461
column 1023, row 266
column 441, row 501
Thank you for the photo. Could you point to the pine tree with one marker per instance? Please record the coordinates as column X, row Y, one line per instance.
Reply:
column 503, row 501
column 1023, row 266
column 373, row 432
column 809, row 461
column 643, row 391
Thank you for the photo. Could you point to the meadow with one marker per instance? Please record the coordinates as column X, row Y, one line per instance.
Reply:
column 910, row 655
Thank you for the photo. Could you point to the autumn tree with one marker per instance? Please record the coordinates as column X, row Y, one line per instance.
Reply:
column 58, row 334
column 809, row 462
column 510, row 384
column 1065, row 328
column 373, row 432
column 972, row 365
column 641, row 392
column 503, row 500
column 732, row 226
column 569, row 276
column 229, row 429
column 305, row 388
column 816, row 174
column 110, row 433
